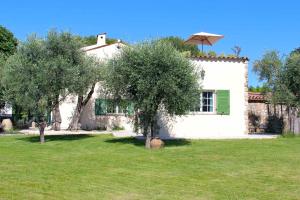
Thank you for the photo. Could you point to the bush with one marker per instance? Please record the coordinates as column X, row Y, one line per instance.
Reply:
column 212, row 53
column 201, row 53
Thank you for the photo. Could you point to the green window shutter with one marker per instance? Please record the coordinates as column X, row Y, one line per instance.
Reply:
column 100, row 107
column 223, row 102
column 130, row 108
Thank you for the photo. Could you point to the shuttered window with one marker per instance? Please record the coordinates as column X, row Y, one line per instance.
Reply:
column 223, row 102
column 100, row 107
column 206, row 103
column 110, row 106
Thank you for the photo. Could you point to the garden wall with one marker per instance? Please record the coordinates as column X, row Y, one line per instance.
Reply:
column 266, row 117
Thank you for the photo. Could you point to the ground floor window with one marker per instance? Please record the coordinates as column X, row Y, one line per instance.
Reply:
column 111, row 106
column 215, row 101
column 206, row 103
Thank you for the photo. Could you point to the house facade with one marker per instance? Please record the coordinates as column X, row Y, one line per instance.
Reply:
column 222, row 109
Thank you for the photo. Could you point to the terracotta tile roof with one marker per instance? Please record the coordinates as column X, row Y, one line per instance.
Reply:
column 217, row 58
column 256, row 96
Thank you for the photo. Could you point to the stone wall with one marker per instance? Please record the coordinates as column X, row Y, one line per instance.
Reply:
column 265, row 117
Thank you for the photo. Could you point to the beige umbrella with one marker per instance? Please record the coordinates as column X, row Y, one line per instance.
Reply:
column 203, row 39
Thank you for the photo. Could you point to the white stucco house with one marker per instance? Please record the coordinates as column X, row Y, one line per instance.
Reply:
column 222, row 109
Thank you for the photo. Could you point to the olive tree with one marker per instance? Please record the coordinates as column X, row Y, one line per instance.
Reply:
column 281, row 79
column 154, row 76
column 25, row 80
column 43, row 72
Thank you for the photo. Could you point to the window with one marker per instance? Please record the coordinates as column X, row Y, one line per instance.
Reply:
column 110, row 106
column 205, row 103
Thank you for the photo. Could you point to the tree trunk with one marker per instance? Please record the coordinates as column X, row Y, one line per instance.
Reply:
column 81, row 103
column 56, row 117
column 148, row 140
column 42, row 126
column 76, row 115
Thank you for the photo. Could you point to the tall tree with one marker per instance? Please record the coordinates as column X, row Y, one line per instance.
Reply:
column 8, row 43
column 8, row 46
column 154, row 75
column 281, row 79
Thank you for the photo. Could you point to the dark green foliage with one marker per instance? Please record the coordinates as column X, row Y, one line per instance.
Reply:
column 8, row 46
column 295, row 51
column 291, row 75
column 153, row 75
column 8, row 43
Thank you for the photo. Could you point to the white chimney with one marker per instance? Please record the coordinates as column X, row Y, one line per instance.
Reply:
column 101, row 39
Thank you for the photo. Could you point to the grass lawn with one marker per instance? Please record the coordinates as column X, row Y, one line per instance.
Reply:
column 103, row 167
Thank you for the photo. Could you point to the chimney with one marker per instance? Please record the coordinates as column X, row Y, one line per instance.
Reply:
column 101, row 39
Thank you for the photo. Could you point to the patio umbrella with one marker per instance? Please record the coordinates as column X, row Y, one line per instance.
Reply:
column 203, row 39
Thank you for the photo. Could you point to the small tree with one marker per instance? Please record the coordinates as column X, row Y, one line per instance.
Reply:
column 268, row 69
column 154, row 75
column 24, row 80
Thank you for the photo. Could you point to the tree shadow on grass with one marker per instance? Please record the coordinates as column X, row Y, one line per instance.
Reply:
column 141, row 142
column 50, row 138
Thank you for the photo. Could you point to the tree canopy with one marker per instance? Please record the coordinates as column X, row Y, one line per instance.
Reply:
column 8, row 46
column 281, row 78
column 8, row 43
column 155, row 76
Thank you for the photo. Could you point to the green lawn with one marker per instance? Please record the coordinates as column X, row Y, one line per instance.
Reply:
column 103, row 167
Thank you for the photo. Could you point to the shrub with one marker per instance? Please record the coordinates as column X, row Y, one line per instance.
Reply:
column 212, row 53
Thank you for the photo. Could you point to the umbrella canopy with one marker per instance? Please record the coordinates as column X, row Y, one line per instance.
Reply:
column 203, row 39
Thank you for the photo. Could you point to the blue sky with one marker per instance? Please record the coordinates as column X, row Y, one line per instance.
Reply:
column 255, row 25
